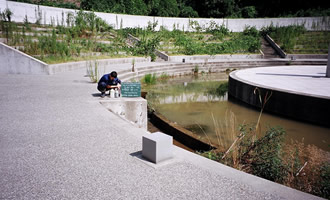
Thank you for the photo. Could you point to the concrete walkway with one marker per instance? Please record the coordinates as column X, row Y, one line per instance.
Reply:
column 58, row 142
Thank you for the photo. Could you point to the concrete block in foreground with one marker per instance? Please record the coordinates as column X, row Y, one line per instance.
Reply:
column 157, row 147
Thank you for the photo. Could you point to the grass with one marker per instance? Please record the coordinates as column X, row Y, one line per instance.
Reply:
column 296, row 40
column 149, row 79
column 306, row 168
column 212, row 40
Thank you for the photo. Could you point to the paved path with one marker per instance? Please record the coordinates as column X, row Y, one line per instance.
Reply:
column 58, row 142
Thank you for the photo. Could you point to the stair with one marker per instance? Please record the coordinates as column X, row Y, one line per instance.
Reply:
column 268, row 50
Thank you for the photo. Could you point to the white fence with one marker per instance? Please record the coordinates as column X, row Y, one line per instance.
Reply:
column 57, row 16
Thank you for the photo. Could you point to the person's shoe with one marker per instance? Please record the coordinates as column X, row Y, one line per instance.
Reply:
column 102, row 94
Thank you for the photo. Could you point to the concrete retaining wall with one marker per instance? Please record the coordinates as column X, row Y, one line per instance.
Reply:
column 13, row 61
column 131, row 109
column 213, row 58
column 62, row 67
column 54, row 15
column 177, row 69
column 180, row 134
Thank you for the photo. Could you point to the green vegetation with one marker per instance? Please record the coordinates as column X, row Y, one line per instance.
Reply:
column 221, row 90
column 84, row 36
column 93, row 71
column 296, row 40
column 305, row 168
column 211, row 40
column 149, row 79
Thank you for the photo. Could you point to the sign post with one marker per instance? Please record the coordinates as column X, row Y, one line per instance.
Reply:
column 328, row 67
column 130, row 89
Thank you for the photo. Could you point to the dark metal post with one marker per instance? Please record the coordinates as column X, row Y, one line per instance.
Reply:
column 328, row 67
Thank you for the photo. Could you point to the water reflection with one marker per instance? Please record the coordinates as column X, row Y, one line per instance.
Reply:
column 193, row 107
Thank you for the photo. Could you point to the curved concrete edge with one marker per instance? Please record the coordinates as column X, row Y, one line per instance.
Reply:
column 101, row 63
column 296, row 105
column 257, row 183
column 210, row 58
column 13, row 61
column 179, row 133
column 174, row 68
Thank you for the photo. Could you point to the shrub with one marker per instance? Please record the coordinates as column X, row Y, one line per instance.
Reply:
column 266, row 154
column 285, row 36
column 150, row 79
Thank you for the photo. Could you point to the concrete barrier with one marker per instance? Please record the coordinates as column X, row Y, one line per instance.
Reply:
column 131, row 109
column 13, row 61
column 210, row 58
column 157, row 147
column 57, row 16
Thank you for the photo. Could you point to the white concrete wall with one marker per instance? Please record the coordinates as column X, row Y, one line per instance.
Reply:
column 131, row 109
column 13, row 61
column 118, row 20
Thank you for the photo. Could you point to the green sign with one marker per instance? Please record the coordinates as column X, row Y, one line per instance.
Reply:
column 129, row 89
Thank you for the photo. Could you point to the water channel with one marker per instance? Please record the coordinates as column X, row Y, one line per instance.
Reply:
column 190, row 102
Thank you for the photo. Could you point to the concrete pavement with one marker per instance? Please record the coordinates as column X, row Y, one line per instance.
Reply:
column 58, row 142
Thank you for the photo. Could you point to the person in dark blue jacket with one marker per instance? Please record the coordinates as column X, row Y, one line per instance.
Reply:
column 107, row 82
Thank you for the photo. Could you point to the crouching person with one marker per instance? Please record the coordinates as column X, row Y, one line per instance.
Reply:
column 107, row 82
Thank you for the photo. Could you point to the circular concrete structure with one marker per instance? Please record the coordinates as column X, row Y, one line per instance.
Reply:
column 298, row 92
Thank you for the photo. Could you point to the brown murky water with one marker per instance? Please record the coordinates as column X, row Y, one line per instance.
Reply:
column 185, row 100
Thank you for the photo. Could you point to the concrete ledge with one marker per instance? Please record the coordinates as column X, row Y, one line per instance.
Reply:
column 62, row 67
column 209, row 58
column 131, row 109
column 307, row 56
column 212, row 66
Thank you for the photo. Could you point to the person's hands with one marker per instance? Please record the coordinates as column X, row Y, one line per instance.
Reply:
column 119, row 86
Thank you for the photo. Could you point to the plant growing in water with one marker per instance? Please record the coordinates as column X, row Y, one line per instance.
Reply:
column 196, row 69
column 150, row 79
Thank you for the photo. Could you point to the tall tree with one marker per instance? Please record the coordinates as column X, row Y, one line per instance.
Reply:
column 168, row 8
